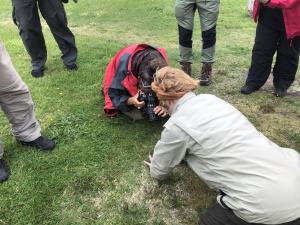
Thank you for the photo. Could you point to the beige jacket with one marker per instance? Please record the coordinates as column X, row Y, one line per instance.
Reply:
column 260, row 179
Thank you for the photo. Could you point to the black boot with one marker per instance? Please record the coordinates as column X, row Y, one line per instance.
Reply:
column 38, row 73
column 3, row 171
column 280, row 92
column 72, row 67
column 248, row 89
column 41, row 143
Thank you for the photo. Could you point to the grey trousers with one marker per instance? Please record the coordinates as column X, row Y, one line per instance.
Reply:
column 208, row 11
column 26, row 17
column 16, row 102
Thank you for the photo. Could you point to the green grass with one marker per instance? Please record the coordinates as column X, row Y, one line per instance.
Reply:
column 96, row 175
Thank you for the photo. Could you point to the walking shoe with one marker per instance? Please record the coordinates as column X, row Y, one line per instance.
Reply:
column 280, row 92
column 4, row 174
column 247, row 89
column 72, row 67
column 41, row 143
column 206, row 74
column 38, row 73
column 186, row 67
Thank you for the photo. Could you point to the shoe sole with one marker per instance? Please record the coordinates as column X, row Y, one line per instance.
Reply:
column 36, row 146
column 205, row 83
column 37, row 75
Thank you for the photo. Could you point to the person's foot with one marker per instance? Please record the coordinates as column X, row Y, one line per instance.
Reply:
column 186, row 67
column 41, row 143
column 206, row 74
column 248, row 89
column 4, row 174
column 280, row 92
column 72, row 67
column 38, row 73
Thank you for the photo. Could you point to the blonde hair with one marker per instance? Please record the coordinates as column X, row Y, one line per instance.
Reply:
column 171, row 83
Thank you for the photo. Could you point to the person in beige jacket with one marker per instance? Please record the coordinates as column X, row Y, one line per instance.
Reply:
column 17, row 104
column 258, row 180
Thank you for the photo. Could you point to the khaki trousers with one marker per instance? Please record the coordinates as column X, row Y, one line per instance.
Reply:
column 208, row 11
column 16, row 102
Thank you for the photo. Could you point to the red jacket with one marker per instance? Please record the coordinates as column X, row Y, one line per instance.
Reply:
column 118, row 76
column 290, row 11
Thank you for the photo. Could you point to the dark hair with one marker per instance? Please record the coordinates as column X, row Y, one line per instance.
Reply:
column 150, row 64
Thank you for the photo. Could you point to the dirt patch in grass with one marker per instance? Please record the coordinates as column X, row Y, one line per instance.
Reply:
column 294, row 90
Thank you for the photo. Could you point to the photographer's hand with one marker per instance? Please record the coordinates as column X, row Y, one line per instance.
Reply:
column 135, row 102
column 160, row 111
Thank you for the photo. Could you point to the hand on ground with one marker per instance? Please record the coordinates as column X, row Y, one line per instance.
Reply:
column 148, row 162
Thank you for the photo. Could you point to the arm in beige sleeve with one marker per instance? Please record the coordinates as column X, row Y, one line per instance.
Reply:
column 169, row 151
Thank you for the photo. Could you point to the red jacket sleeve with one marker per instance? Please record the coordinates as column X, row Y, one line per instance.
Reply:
column 283, row 3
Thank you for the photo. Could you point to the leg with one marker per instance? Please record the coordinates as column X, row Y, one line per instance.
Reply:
column 1, row 149
column 208, row 13
column 262, row 55
column 54, row 13
column 27, row 18
column 16, row 102
column 3, row 170
column 287, row 61
column 217, row 215
column 184, row 12
column 134, row 114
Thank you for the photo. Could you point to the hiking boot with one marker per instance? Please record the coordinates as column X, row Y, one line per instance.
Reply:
column 41, row 143
column 72, row 67
column 4, row 174
column 248, row 89
column 206, row 74
column 280, row 92
column 38, row 73
column 186, row 67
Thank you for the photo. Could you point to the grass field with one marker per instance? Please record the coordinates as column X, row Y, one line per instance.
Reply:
column 96, row 174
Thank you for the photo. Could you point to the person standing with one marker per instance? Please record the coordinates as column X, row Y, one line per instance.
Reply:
column 278, row 31
column 208, row 11
column 17, row 104
column 257, row 180
column 26, row 17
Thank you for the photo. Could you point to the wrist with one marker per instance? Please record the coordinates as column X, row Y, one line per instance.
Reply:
column 129, row 102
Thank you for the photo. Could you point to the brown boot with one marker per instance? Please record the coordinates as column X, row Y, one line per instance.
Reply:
column 186, row 67
column 206, row 74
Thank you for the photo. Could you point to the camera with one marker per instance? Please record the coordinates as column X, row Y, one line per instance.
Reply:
column 150, row 103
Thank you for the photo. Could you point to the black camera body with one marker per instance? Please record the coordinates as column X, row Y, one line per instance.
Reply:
column 150, row 103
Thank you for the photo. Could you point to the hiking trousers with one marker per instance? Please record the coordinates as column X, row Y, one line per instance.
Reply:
column 270, row 39
column 208, row 11
column 26, row 17
column 16, row 102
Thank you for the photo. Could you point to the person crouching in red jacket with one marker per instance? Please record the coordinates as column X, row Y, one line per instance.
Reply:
column 278, row 30
column 129, row 73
